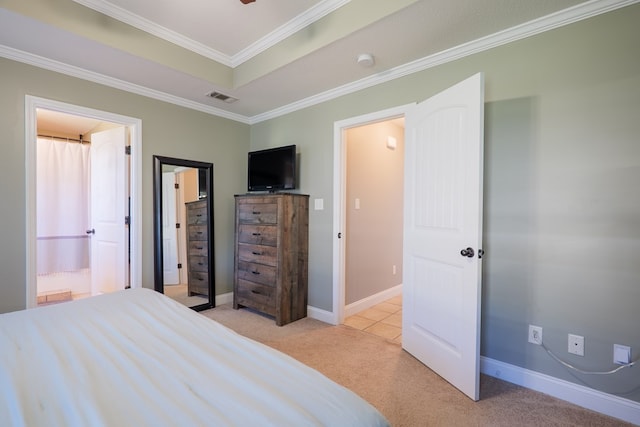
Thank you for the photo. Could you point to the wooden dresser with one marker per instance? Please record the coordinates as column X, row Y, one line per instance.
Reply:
column 197, row 248
column 271, row 252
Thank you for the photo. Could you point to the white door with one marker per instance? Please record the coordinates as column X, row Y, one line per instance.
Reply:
column 109, row 258
column 169, row 232
column 442, row 218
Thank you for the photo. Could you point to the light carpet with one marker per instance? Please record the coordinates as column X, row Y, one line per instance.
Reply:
column 405, row 391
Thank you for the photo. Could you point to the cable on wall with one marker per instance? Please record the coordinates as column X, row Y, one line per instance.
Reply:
column 568, row 365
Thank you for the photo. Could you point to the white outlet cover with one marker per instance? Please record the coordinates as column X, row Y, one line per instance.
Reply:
column 621, row 354
column 576, row 345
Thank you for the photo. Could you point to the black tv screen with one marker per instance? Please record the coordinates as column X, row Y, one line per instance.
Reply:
column 272, row 169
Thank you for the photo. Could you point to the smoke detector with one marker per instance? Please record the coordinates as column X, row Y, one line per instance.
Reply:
column 366, row 60
column 221, row 97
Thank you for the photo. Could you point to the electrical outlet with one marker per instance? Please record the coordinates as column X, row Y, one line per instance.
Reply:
column 535, row 334
column 576, row 345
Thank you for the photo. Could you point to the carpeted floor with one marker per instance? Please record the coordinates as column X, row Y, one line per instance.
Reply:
column 404, row 390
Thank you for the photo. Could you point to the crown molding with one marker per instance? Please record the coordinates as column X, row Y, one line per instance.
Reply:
column 313, row 14
column 546, row 23
column 549, row 22
column 81, row 73
column 143, row 24
column 301, row 21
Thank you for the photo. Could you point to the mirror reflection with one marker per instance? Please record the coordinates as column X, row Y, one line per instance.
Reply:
column 183, row 237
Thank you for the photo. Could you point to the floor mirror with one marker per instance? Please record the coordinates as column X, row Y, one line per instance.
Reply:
column 183, row 231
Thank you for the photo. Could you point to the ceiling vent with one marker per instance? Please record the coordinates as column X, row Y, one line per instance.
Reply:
column 222, row 97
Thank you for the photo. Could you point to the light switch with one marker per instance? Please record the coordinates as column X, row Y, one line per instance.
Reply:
column 357, row 204
column 318, row 204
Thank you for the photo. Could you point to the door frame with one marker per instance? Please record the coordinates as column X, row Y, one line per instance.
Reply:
column 340, row 194
column 134, row 125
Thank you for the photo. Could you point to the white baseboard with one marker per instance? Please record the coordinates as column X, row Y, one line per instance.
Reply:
column 363, row 304
column 321, row 315
column 224, row 298
column 614, row 406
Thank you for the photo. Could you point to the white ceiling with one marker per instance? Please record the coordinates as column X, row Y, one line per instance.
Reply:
column 252, row 43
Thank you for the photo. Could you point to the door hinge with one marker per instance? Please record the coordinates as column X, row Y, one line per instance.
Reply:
column 127, row 150
column 179, row 265
column 176, row 185
column 127, row 220
column 177, row 225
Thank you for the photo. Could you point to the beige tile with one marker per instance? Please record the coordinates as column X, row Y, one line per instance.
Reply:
column 389, row 308
column 358, row 322
column 373, row 314
column 393, row 320
column 397, row 300
column 384, row 331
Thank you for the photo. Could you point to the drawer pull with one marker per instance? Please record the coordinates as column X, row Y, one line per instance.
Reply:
column 256, row 253
column 198, row 215
column 200, row 263
column 199, row 247
column 256, row 212
column 255, row 234
column 255, row 272
column 198, row 232
column 253, row 291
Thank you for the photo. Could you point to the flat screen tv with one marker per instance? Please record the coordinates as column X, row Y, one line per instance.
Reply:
column 272, row 169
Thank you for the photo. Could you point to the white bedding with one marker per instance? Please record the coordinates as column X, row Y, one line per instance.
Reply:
column 138, row 358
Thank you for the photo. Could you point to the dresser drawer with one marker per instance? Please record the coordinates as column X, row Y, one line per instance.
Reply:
column 258, row 213
column 256, row 296
column 198, row 248
column 198, row 263
column 198, row 282
column 257, row 253
column 259, row 273
column 196, row 216
column 197, row 232
column 258, row 234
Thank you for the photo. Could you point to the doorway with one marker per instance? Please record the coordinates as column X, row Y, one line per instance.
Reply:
column 357, row 302
column 373, row 233
column 99, row 121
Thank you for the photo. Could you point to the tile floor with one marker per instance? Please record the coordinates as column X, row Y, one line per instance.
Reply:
column 384, row 320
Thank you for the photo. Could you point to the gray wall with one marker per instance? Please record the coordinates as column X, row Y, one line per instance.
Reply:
column 562, row 207
column 167, row 130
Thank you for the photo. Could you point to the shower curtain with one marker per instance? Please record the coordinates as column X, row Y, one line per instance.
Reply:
column 63, row 174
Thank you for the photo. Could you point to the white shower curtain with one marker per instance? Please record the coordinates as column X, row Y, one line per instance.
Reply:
column 62, row 206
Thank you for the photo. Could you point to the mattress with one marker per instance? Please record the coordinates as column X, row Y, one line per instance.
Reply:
column 138, row 358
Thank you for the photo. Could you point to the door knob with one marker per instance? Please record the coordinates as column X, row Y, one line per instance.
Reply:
column 92, row 231
column 469, row 252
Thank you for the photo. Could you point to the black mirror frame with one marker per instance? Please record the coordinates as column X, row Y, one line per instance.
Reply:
column 158, row 162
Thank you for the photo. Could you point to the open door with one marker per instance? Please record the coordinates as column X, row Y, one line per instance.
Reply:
column 109, row 240
column 169, row 230
column 443, row 233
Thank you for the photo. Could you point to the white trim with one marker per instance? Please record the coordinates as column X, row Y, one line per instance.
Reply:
column 315, row 13
column 528, row 29
column 73, row 71
column 565, row 17
column 135, row 128
column 339, row 196
column 306, row 18
column 368, row 302
column 585, row 397
column 224, row 299
column 321, row 315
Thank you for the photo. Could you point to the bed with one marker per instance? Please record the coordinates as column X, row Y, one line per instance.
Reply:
column 138, row 358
